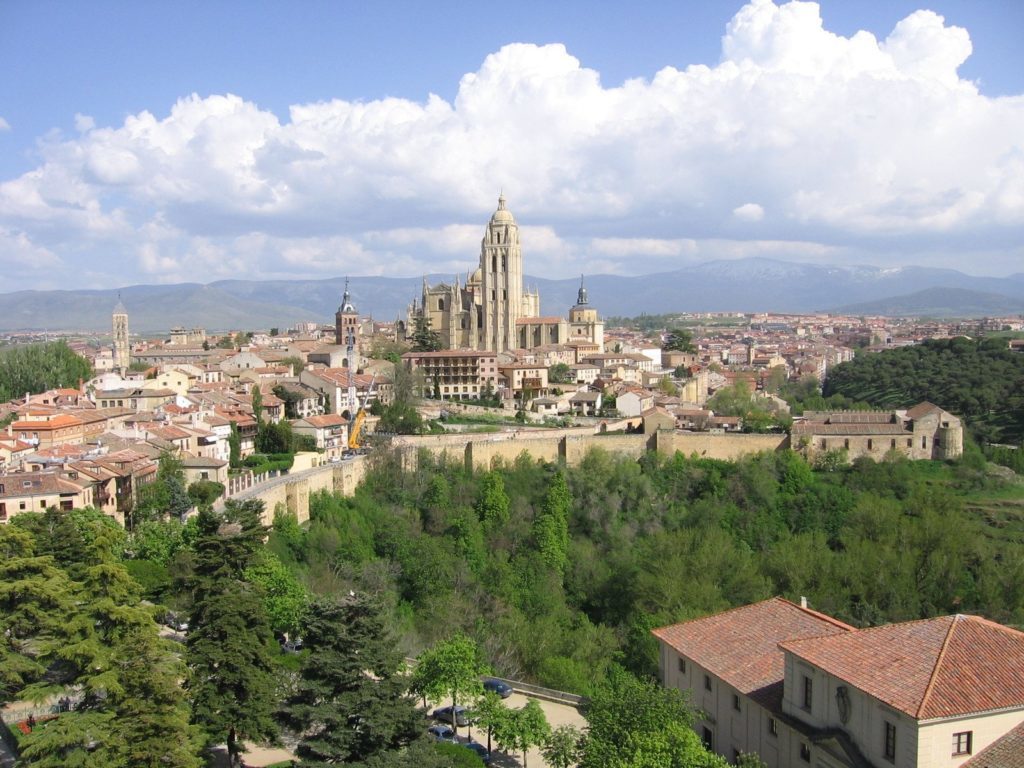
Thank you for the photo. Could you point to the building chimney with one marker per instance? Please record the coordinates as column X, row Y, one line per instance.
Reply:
column 803, row 601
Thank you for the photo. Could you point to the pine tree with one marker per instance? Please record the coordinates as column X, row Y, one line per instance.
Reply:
column 351, row 702
column 231, row 672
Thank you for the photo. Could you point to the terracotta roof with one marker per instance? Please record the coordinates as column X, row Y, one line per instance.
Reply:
column 741, row 646
column 923, row 409
column 1006, row 752
column 944, row 667
column 325, row 420
column 55, row 422
column 818, row 428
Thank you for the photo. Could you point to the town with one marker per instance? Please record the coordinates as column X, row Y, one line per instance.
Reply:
column 162, row 427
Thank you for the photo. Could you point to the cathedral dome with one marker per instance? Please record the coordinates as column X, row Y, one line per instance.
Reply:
column 502, row 215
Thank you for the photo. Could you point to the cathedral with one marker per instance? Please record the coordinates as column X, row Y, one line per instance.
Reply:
column 491, row 311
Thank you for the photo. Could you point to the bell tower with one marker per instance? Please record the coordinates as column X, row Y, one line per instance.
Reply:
column 501, row 267
column 122, row 349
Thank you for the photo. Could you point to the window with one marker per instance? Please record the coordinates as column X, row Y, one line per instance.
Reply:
column 682, row 664
column 871, row 444
column 709, row 739
column 21, row 505
column 707, row 682
column 736, row 702
column 892, row 443
column 889, row 747
column 773, row 726
column 808, row 692
column 735, row 756
column 805, row 751
column 962, row 743
column 924, row 442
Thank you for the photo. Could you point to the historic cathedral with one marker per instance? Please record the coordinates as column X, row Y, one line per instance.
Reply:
column 491, row 311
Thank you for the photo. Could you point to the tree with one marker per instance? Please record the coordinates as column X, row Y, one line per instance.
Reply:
column 678, row 340
column 493, row 504
column 284, row 598
column 257, row 405
column 351, row 700
column 205, row 492
column 166, row 495
column 559, row 373
column 423, row 338
column 523, row 728
column 234, row 447
column 490, row 714
column 639, row 723
column 551, row 526
column 231, row 672
column 451, row 669
column 563, row 747
column 36, row 368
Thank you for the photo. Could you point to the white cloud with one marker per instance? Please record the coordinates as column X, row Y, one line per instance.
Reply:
column 857, row 143
column 748, row 212
column 4, row 125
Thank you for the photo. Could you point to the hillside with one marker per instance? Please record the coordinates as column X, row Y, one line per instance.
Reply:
column 939, row 302
column 750, row 285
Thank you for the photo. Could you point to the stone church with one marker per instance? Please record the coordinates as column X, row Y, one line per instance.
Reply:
column 491, row 311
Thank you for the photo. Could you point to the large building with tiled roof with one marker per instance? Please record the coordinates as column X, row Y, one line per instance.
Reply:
column 798, row 687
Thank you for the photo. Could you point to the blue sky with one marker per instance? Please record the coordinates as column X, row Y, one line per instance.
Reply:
column 770, row 151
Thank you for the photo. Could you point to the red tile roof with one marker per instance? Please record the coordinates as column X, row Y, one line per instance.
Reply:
column 944, row 667
column 741, row 646
column 1006, row 752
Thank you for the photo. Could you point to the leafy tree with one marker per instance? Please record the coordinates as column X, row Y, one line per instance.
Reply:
column 257, row 405
column 523, row 728
column 289, row 397
column 638, row 722
column 231, row 672
column 36, row 368
column 559, row 373
column 551, row 526
column 423, row 338
column 678, row 340
column 284, row 598
column 452, row 669
column 490, row 713
column 205, row 492
column 493, row 505
column 563, row 747
column 166, row 495
column 234, row 447
column 350, row 703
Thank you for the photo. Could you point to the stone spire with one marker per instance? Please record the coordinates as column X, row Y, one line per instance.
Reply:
column 581, row 297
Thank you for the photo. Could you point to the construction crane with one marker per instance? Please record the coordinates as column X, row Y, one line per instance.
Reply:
column 356, row 428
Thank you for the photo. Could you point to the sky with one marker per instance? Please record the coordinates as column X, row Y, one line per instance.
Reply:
column 196, row 141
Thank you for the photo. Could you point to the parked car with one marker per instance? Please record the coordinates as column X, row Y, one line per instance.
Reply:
column 292, row 646
column 480, row 749
column 456, row 715
column 500, row 687
column 441, row 733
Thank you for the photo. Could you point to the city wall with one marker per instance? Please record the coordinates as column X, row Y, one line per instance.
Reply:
column 484, row 451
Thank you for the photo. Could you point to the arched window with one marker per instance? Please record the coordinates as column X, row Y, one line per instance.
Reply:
column 494, row 263
column 440, row 303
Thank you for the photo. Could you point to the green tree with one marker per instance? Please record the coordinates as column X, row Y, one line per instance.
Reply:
column 228, row 648
column 452, row 669
column 678, row 340
column 351, row 700
column 284, row 598
column 257, row 405
column 166, row 495
column 490, row 713
column 205, row 492
column 638, row 722
column 563, row 747
column 234, row 447
column 492, row 506
column 559, row 373
column 551, row 526
column 523, row 728
column 423, row 338
column 36, row 368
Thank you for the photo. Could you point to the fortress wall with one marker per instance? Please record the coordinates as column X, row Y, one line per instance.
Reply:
column 482, row 454
column 633, row 446
column 726, row 446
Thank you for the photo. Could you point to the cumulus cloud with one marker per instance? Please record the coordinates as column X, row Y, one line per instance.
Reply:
column 748, row 212
column 4, row 125
column 866, row 148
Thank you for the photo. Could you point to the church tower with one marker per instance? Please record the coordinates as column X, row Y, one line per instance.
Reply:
column 122, row 350
column 501, row 265
column 346, row 322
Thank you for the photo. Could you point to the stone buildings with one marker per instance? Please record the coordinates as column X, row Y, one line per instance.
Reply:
column 798, row 687
column 491, row 311
column 922, row 432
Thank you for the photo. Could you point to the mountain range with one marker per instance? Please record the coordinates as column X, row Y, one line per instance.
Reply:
column 741, row 285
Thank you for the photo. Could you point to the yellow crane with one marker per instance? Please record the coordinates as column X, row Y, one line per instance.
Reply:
column 356, row 427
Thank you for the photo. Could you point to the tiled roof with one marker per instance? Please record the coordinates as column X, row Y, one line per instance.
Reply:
column 923, row 409
column 944, row 667
column 741, row 646
column 817, row 428
column 1007, row 752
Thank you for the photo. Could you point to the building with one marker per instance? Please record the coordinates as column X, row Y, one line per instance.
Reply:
column 456, row 374
column 922, row 432
column 346, row 323
column 491, row 311
column 187, row 337
column 38, row 491
column 798, row 687
column 122, row 350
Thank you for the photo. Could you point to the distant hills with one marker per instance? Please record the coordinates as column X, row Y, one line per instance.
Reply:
column 749, row 285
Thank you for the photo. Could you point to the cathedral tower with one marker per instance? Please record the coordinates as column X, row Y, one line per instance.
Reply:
column 122, row 350
column 346, row 322
column 501, row 264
